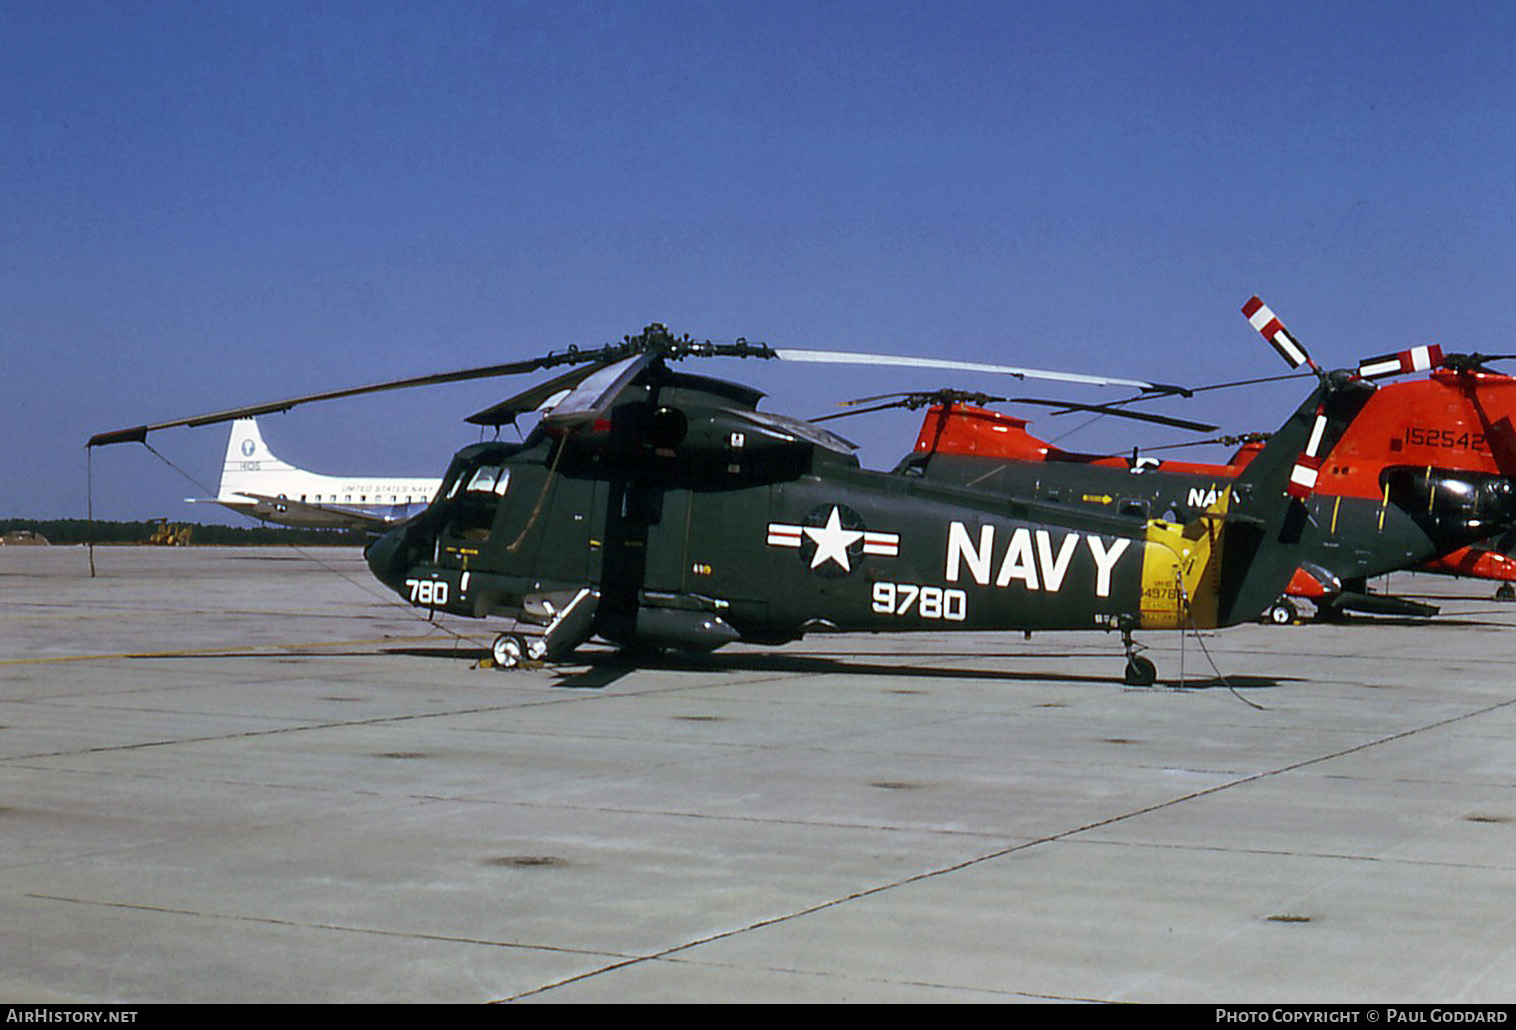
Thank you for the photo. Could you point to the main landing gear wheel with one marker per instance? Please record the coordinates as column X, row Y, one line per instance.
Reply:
column 1505, row 592
column 1140, row 672
column 1281, row 613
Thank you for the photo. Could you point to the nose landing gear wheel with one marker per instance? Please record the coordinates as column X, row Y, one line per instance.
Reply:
column 508, row 651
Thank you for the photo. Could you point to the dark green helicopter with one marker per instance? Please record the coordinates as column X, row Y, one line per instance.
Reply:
column 659, row 509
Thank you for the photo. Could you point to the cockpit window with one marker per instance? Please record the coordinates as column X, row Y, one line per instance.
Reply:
column 1452, row 506
column 489, row 479
column 474, row 497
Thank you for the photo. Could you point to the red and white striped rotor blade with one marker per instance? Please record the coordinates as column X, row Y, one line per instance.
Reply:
column 1417, row 359
column 1308, row 465
column 1273, row 330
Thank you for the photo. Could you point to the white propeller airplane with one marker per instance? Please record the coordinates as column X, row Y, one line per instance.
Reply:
column 256, row 483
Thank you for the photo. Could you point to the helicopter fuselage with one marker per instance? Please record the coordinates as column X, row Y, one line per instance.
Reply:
column 687, row 524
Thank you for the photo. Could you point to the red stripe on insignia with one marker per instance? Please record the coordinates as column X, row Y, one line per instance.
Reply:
column 781, row 535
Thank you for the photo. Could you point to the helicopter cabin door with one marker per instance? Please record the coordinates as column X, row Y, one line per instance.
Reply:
column 724, row 544
column 682, row 541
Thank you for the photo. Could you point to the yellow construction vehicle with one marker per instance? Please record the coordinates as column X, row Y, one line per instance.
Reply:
column 167, row 534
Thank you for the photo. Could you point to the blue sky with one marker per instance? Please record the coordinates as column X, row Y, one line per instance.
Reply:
column 207, row 204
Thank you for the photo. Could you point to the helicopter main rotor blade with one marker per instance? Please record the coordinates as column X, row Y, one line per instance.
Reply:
column 540, row 397
column 1472, row 362
column 1105, row 409
column 950, row 397
column 139, row 433
column 593, row 397
column 1262, row 318
column 919, row 398
column 589, row 394
column 858, row 411
column 1417, row 359
column 832, row 357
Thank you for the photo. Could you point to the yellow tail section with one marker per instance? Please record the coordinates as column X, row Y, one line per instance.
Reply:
column 1181, row 570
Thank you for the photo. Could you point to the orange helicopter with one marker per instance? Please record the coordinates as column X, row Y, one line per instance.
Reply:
column 1420, row 478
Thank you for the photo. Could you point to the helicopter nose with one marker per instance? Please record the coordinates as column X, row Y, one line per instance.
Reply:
column 384, row 557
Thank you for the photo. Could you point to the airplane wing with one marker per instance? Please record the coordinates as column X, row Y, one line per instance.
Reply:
column 316, row 516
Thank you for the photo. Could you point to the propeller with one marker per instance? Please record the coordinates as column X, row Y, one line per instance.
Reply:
column 583, row 393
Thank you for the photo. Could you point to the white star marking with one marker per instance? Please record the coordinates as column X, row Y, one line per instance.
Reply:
column 832, row 541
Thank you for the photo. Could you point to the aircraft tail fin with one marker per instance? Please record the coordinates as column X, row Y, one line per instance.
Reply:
column 249, row 465
column 1236, row 559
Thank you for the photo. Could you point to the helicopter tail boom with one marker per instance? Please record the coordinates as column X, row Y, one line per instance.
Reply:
column 1237, row 557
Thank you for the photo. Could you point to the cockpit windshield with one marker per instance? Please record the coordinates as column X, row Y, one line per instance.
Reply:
column 481, row 479
column 473, row 495
column 489, row 479
column 1454, row 507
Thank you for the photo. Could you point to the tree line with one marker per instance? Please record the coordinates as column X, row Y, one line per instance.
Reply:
column 80, row 531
